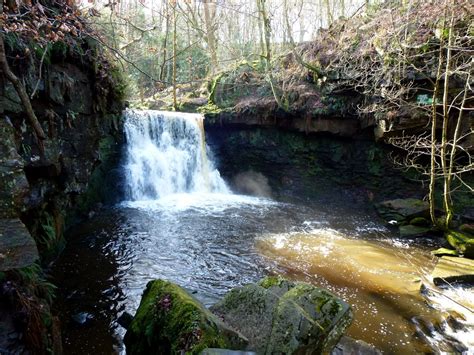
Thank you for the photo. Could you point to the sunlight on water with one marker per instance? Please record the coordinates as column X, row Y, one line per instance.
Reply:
column 181, row 223
column 456, row 304
column 381, row 280
column 359, row 262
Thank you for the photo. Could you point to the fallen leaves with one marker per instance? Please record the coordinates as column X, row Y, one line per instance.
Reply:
column 42, row 23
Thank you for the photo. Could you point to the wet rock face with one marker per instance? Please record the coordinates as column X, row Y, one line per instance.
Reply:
column 48, row 189
column 44, row 190
column 279, row 316
column 17, row 247
column 310, row 166
column 13, row 184
column 170, row 321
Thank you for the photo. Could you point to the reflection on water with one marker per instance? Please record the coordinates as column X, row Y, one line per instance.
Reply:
column 210, row 243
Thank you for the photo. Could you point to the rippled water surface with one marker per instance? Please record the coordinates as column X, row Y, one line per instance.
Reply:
column 184, row 225
column 210, row 243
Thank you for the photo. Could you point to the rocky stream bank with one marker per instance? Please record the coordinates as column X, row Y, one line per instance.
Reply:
column 48, row 185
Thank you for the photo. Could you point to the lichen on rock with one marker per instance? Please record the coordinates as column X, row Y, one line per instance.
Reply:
column 281, row 316
column 171, row 321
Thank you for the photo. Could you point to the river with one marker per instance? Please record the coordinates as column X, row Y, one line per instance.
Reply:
column 181, row 222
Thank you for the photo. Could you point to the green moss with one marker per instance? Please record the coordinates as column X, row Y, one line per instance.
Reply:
column 462, row 242
column 170, row 321
column 444, row 251
column 420, row 221
column 13, row 41
column 120, row 86
column 210, row 108
column 59, row 50
column 270, row 281
column 213, row 87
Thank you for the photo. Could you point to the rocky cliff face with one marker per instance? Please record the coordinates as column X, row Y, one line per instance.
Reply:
column 46, row 187
column 322, row 168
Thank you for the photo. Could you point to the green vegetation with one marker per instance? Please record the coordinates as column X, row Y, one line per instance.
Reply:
column 170, row 321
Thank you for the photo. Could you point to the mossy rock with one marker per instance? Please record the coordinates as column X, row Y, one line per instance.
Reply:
column 445, row 252
column 467, row 228
column 402, row 209
column 308, row 320
column 284, row 317
column 17, row 248
column 420, row 222
column 410, row 231
column 171, row 321
column 249, row 309
column 462, row 242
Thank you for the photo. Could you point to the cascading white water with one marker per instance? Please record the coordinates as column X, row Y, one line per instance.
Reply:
column 167, row 154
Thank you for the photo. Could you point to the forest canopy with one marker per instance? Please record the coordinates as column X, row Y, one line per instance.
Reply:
column 201, row 38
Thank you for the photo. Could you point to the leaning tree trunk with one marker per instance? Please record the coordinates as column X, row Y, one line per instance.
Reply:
column 20, row 89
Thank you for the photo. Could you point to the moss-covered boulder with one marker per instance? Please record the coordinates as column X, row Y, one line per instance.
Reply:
column 171, row 321
column 412, row 231
column 420, row 222
column 462, row 242
column 284, row 317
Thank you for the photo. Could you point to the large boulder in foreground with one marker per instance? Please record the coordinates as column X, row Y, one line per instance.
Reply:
column 171, row 321
column 283, row 317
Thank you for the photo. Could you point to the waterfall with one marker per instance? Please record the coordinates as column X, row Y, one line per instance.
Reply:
column 167, row 154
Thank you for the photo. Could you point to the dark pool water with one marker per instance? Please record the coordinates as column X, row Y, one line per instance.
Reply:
column 210, row 243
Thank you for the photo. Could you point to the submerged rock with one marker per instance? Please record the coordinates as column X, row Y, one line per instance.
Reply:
column 171, row 321
column 280, row 316
column 453, row 270
column 467, row 228
column 125, row 320
column 351, row 346
column 444, row 251
column 420, row 222
column 83, row 318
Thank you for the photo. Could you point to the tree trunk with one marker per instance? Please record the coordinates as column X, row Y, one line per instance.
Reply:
column 163, row 76
column 20, row 89
column 432, row 185
column 175, row 102
column 209, row 18
column 266, row 24
column 448, row 205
